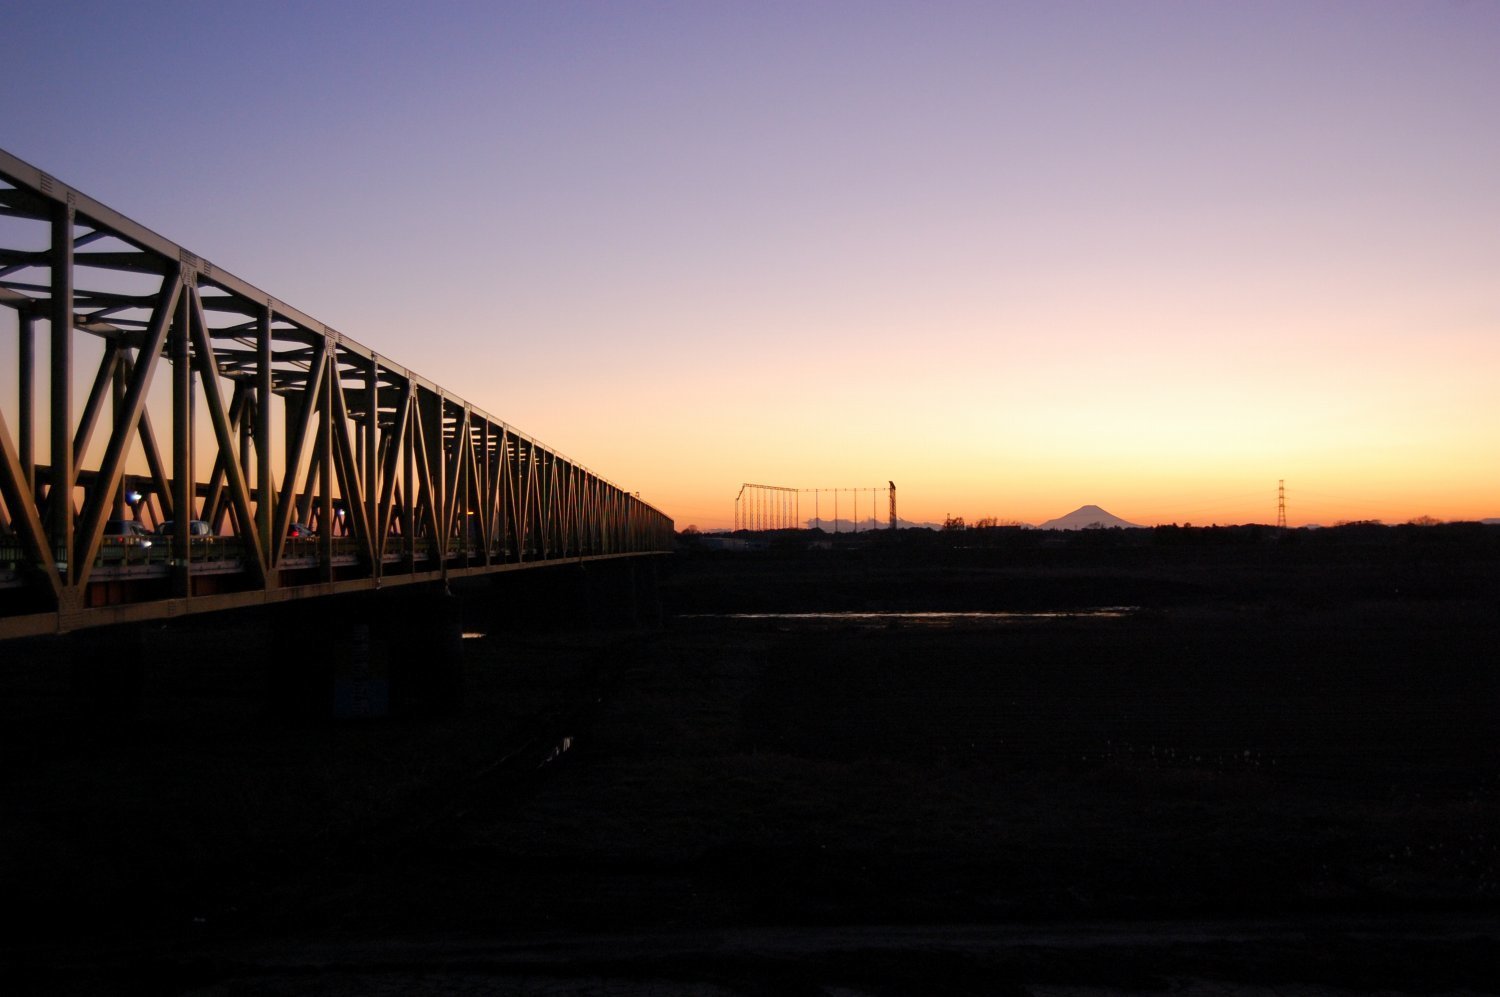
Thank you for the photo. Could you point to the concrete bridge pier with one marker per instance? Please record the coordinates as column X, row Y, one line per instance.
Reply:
column 395, row 653
column 622, row 593
column 106, row 670
column 577, row 595
column 399, row 652
column 424, row 631
column 548, row 599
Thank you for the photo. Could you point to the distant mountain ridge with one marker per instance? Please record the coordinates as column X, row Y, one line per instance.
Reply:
column 865, row 525
column 1088, row 517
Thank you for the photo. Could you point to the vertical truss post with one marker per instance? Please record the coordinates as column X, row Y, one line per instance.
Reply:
column 372, row 490
column 463, row 441
column 439, row 472
column 409, row 480
column 486, row 507
column 117, row 510
column 427, row 421
column 264, row 506
column 26, row 395
column 61, row 317
column 325, row 462
column 245, row 427
column 182, row 443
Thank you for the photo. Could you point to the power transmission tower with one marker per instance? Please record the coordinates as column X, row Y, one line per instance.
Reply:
column 1281, row 506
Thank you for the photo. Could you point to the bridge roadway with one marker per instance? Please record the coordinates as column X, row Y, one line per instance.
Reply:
column 315, row 465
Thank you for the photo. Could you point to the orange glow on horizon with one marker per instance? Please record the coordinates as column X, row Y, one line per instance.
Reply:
column 1013, row 259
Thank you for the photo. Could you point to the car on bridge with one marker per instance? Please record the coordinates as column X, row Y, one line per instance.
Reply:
column 126, row 532
column 196, row 528
column 125, row 540
column 299, row 531
column 204, row 545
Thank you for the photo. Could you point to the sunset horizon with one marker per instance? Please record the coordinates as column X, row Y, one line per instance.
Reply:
column 1388, row 514
column 1015, row 258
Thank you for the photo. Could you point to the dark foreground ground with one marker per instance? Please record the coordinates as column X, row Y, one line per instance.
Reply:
column 1280, row 772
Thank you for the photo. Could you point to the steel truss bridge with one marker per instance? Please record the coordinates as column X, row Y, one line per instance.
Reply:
column 330, row 469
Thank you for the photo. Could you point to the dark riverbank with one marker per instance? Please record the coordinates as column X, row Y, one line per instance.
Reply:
column 1292, row 751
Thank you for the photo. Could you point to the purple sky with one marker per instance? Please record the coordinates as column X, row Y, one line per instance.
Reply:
column 1017, row 257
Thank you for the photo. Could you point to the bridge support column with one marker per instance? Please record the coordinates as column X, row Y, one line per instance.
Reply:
column 393, row 653
column 650, row 593
column 425, row 631
column 106, row 671
column 622, row 593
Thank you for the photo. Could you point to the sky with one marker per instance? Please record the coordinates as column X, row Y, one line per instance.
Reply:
column 1015, row 257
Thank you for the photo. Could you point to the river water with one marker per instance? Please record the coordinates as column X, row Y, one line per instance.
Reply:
column 931, row 620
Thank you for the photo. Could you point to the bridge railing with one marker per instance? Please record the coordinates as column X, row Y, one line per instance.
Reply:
column 209, row 400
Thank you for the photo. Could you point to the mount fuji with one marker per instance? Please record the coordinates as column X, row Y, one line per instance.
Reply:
column 1088, row 517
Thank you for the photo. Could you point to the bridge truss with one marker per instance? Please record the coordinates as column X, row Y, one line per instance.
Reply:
column 318, row 466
